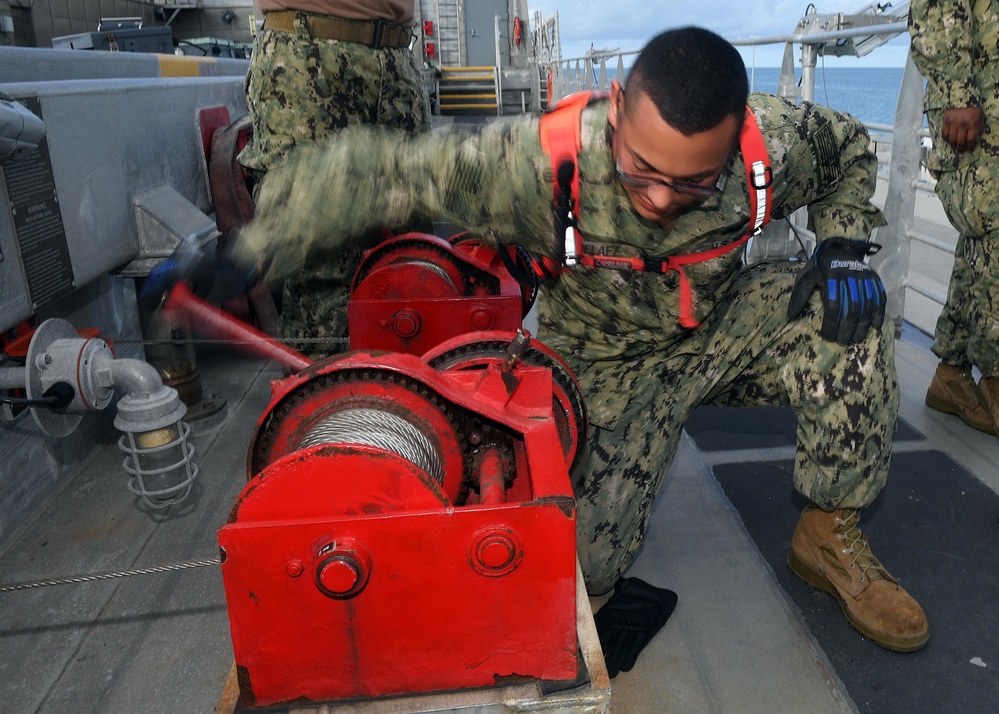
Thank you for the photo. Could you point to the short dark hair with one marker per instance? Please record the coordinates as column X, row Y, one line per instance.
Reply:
column 693, row 76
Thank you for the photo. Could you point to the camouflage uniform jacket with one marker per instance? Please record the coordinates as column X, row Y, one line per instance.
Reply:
column 498, row 182
column 955, row 45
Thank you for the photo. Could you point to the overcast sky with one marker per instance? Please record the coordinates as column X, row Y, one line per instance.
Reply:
column 629, row 24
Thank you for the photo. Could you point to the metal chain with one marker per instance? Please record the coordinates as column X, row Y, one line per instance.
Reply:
column 291, row 341
column 105, row 576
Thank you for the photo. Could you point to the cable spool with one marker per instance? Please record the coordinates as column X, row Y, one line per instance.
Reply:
column 409, row 278
column 367, row 407
column 434, row 268
column 388, row 270
column 382, row 429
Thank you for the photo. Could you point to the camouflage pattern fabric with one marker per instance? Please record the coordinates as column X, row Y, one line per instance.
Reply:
column 745, row 354
column 967, row 331
column 301, row 90
column 641, row 372
column 955, row 45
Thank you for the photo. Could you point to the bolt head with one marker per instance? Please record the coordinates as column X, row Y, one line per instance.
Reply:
column 340, row 575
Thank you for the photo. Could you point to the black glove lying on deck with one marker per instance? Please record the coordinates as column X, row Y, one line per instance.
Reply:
column 629, row 620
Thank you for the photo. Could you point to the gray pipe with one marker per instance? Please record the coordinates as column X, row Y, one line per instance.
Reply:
column 20, row 130
column 12, row 377
column 136, row 376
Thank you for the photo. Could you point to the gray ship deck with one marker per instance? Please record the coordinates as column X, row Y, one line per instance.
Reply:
column 743, row 639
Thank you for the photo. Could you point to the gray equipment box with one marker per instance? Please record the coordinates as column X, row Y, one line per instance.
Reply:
column 147, row 39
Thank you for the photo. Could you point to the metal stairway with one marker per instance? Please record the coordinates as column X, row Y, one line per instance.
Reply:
column 469, row 90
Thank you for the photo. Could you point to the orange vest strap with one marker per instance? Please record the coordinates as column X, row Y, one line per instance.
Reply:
column 759, row 175
column 560, row 139
column 560, row 135
column 677, row 262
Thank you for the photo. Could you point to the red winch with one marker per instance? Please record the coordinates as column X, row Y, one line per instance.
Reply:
column 414, row 291
column 409, row 525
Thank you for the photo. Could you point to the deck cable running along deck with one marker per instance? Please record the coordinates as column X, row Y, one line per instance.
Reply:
column 70, row 579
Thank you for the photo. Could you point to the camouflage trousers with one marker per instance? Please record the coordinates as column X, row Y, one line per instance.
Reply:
column 301, row 90
column 967, row 331
column 314, row 300
column 748, row 354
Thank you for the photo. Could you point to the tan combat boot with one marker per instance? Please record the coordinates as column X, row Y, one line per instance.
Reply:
column 988, row 387
column 953, row 391
column 829, row 552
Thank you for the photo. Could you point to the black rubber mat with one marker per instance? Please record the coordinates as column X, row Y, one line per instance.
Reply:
column 935, row 529
column 731, row 428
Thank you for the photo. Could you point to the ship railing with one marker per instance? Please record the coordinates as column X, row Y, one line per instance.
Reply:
column 791, row 239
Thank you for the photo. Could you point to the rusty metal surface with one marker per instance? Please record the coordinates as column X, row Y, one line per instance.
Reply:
column 591, row 696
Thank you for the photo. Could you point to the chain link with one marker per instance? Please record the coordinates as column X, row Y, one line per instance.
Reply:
column 105, row 576
column 290, row 341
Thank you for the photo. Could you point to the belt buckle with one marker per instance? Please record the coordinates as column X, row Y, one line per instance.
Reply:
column 376, row 41
column 656, row 265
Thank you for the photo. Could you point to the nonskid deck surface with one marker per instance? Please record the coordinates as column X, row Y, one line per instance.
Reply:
column 749, row 636
column 149, row 643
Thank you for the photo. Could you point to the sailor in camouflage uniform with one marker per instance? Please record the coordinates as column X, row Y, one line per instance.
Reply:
column 955, row 45
column 641, row 371
column 319, row 66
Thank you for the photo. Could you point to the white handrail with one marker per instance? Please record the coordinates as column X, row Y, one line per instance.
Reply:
column 567, row 75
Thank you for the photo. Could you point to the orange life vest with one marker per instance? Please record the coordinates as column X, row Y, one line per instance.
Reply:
column 560, row 139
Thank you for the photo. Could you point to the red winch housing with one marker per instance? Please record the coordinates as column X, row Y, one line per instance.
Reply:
column 409, row 524
column 414, row 291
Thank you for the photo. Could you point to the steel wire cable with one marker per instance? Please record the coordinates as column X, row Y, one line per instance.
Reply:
column 382, row 429
column 71, row 579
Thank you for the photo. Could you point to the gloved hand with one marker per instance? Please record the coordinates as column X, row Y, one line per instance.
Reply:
column 629, row 620
column 853, row 295
column 212, row 277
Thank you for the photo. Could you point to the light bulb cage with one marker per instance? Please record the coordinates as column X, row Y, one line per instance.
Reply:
column 140, row 476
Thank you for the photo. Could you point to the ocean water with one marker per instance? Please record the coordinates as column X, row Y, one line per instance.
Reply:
column 868, row 93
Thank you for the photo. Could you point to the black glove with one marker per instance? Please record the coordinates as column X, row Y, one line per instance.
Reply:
column 629, row 620
column 212, row 277
column 853, row 295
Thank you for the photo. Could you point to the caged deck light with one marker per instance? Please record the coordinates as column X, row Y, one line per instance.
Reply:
column 158, row 456
column 66, row 375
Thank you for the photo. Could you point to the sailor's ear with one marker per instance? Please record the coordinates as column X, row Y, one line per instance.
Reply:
column 616, row 103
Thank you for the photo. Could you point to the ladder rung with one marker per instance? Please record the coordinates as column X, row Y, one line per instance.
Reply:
column 468, row 96
column 467, row 106
column 469, row 78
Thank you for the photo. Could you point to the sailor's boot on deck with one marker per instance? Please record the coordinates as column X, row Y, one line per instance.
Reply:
column 829, row 552
column 953, row 391
column 989, row 389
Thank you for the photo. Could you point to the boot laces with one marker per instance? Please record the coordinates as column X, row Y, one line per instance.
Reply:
column 848, row 530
